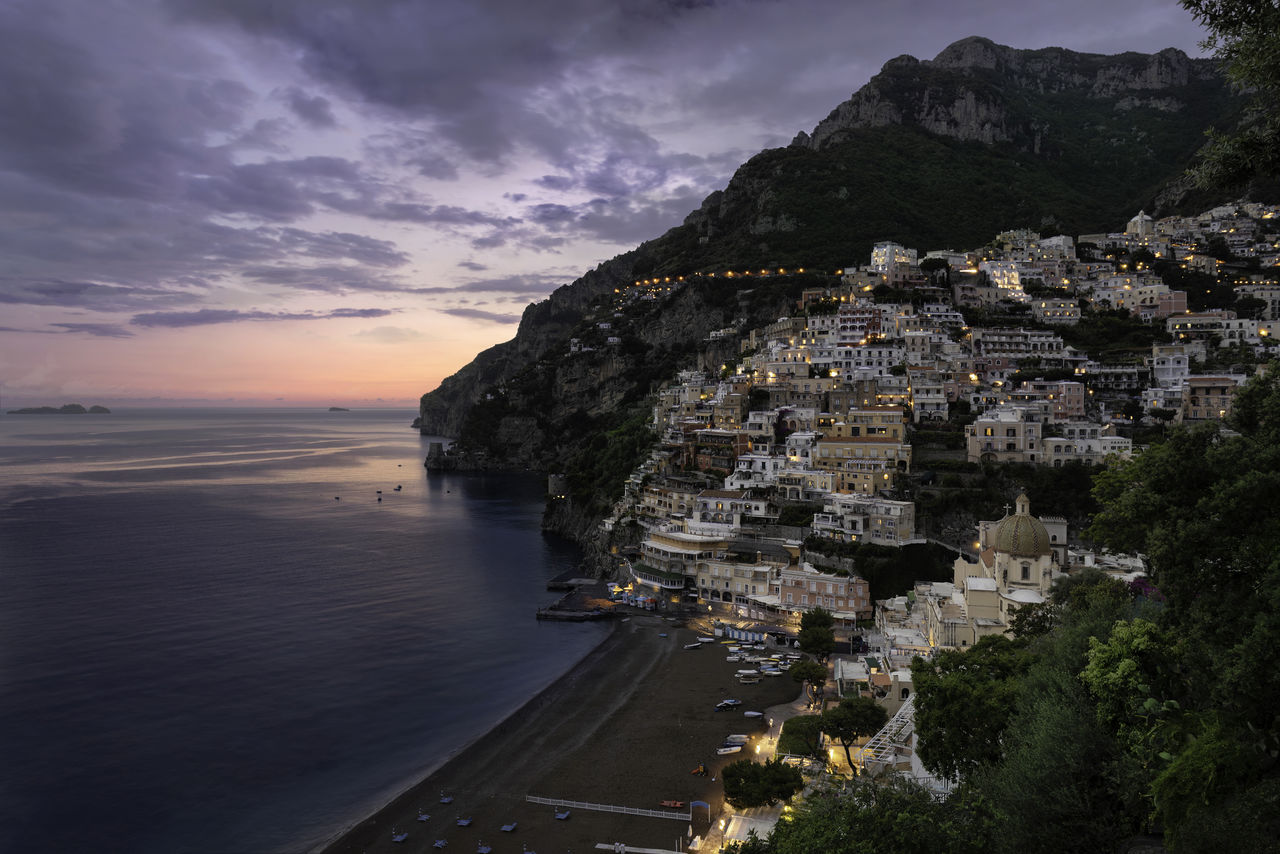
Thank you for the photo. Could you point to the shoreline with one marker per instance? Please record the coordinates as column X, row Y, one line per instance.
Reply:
column 336, row 841
column 625, row 726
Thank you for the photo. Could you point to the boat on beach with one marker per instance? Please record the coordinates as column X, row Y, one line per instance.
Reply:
column 726, row 749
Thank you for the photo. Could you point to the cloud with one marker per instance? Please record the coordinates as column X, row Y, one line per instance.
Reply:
column 100, row 330
column 315, row 110
column 391, row 334
column 210, row 316
column 480, row 314
column 474, row 266
column 530, row 285
column 85, row 295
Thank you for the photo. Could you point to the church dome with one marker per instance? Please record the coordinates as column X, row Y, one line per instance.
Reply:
column 1021, row 535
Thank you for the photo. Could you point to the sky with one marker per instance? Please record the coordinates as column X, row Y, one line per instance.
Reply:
column 341, row 202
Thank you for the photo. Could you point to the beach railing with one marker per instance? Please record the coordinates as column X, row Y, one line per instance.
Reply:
column 580, row 805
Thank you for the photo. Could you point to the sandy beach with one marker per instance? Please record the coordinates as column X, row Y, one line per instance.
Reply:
column 625, row 727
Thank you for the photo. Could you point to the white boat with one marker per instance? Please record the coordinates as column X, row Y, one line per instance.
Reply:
column 707, row 640
column 748, row 680
column 748, row 673
column 398, row 837
column 753, row 714
column 693, row 645
column 729, row 748
column 737, row 738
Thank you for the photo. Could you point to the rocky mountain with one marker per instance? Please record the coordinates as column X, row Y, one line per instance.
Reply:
column 933, row 154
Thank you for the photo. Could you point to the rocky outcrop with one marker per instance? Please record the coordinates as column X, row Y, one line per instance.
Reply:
column 966, row 91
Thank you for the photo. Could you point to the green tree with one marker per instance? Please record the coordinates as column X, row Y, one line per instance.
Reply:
column 1060, row 786
column 817, row 636
column 812, row 674
column 853, row 719
column 817, row 641
column 817, row 618
column 752, row 784
column 1245, row 36
column 801, row 736
column 892, row 815
column 1198, row 506
column 964, row 700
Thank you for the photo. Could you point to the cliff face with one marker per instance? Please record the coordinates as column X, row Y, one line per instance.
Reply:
column 543, row 326
column 975, row 90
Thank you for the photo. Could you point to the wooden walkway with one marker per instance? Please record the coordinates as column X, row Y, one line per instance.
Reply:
column 580, row 805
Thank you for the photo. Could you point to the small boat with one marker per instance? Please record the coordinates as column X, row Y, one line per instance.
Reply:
column 736, row 739
column 422, row 816
column 446, row 799
column 481, row 848
column 398, row 837
column 562, row 816
column 726, row 749
column 748, row 680
column 662, row 634
column 753, row 714
column 440, row 843
column 693, row 645
column 507, row 828
column 707, row 640
column 673, row 804
column 464, row 822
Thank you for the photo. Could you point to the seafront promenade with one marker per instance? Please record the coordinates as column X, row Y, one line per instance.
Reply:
column 626, row 726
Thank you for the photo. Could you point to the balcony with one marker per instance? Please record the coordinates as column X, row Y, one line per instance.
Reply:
column 657, row 578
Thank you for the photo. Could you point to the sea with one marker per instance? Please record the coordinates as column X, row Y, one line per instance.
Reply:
column 215, row 638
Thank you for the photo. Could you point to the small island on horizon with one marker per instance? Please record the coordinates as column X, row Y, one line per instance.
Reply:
column 338, row 409
column 67, row 409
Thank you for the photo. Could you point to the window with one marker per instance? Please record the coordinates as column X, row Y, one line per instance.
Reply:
column 1026, row 571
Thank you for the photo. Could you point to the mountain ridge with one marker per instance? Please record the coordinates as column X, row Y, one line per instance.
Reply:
column 1077, row 142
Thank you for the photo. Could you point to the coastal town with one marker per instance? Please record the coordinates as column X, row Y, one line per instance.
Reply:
column 793, row 444
column 826, row 409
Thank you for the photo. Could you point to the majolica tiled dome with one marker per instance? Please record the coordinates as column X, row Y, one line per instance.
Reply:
column 1021, row 534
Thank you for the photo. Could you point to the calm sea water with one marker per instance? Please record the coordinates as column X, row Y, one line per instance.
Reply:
column 201, row 650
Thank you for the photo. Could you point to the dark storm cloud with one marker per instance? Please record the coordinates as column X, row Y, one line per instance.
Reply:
column 481, row 314
column 315, row 110
column 210, row 316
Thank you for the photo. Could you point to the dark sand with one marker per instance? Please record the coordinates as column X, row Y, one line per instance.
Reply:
column 624, row 727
